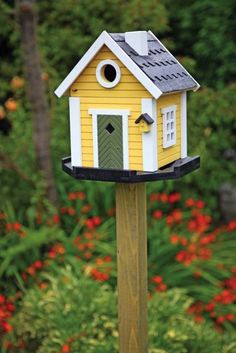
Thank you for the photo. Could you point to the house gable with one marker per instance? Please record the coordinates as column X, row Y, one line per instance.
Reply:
column 106, row 39
column 126, row 95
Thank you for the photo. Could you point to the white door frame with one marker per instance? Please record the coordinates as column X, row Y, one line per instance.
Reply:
column 124, row 113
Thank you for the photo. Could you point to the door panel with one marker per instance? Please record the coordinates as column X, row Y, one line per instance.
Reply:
column 110, row 141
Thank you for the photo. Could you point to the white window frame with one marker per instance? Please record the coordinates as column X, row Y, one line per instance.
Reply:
column 100, row 76
column 169, row 126
column 125, row 114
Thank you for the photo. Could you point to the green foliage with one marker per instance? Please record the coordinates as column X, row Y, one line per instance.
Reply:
column 77, row 24
column 75, row 311
column 205, row 30
column 212, row 128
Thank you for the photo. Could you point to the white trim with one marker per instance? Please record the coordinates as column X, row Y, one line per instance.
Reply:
column 100, row 76
column 124, row 113
column 183, row 124
column 197, row 84
column 106, row 39
column 169, row 126
column 149, row 139
column 75, row 132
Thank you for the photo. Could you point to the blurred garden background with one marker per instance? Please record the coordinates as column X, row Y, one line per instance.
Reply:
column 57, row 235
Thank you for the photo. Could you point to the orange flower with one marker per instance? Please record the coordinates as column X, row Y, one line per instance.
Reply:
column 11, row 104
column 17, row 82
column 174, row 239
column 45, row 76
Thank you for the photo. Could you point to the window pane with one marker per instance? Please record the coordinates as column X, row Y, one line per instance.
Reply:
column 172, row 136
column 172, row 115
column 168, row 137
column 172, row 125
column 168, row 116
column 168, row 126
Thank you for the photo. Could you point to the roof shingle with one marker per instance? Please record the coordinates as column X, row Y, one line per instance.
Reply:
column 159, row 65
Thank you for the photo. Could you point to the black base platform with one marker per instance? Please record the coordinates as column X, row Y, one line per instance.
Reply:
column 173, row 171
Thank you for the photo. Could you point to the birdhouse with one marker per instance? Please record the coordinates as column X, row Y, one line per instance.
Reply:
column 127, row 106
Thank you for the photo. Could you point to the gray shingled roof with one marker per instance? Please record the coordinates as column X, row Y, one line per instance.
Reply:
column 160, row 66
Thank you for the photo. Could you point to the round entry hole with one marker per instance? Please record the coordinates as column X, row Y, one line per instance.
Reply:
column 109, row 73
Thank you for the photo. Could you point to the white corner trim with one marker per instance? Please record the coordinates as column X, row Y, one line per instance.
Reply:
column 183, row 124
column 149, row 139
column 125, row 114
column 106, row 39
column 197, row 84
column 100, row 77
column 75, row 132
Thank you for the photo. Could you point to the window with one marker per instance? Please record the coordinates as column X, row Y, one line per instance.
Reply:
column 169, row 126
column 108, row 73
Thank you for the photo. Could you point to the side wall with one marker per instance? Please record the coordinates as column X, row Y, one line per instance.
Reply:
column 126, row 95
column 170, row 154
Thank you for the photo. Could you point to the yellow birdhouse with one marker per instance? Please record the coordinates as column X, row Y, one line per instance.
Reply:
column 127, row 102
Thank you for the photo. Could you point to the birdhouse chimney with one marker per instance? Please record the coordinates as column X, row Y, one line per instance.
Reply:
column 138, row 41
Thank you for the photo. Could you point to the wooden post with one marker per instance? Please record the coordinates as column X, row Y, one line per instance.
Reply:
column 132, row 267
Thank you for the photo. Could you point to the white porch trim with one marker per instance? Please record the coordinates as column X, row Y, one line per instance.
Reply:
column 183, row 124
column 149, row 139
column 75, row 132
column 124, row 113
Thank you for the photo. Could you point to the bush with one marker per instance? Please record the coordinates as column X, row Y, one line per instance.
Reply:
column 71, row 313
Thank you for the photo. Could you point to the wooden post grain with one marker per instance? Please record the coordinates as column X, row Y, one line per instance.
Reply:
column 132, row 267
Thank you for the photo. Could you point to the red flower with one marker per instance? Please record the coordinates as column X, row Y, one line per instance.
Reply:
column 2, row 299
column 154, row 197
column 38, row 264
column 199, row 204
column 162, row 287
column 231, row 225
column 180, row 256
column 210, row 306
column 65, row 348
column 198, row 318
column 177, row 214
column 107, row 258
column 10, row 307
column 157, row 214
column 86, row 208
column 89, row 223
column 163, row 197
column 157, row 279
column 174, row 197
column 55, row 219
column 99, row 276
column 97, row 220
column 71, row 211
column 220, row 319
column 229, row 317
column 17, row 226
column 190, row 202
column 6, row 326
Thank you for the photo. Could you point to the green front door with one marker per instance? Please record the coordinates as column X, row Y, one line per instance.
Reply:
column 110, row 141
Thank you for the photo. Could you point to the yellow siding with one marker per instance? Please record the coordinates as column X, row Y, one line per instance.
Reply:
column 170, row 154
column 126, row 95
